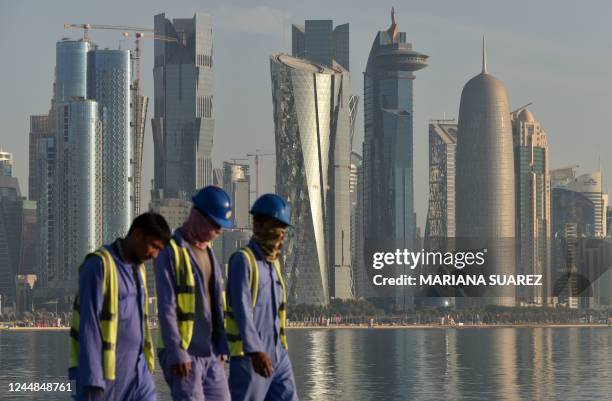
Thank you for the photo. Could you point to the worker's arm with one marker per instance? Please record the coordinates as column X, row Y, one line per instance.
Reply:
column 91, row 276
column 166, row 307
column 241, row 303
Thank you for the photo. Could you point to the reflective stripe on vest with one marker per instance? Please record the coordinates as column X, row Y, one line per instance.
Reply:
column 109, row 318
column 149, row 348
column 232, row 331
column 185, row 294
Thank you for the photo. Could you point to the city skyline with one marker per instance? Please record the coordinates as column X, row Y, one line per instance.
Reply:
column 505, row 41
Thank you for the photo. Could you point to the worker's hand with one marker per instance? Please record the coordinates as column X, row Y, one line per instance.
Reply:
column 181, row 369
column 262, row 364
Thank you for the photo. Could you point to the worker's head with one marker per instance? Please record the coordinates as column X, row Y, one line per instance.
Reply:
column 271, row 217
column 273, row 206
column 211, row 212
column 148, row 234
column 214, row 203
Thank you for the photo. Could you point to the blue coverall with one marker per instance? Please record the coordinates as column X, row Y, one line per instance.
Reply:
column 133, row 380
column 260, row 332
column 207, row 379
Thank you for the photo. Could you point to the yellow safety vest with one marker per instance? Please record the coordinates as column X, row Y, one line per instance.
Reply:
column 185, row 294
column 232, row 332
column 108, row 318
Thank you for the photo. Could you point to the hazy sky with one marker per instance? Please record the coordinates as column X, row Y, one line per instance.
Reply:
column 556, row 54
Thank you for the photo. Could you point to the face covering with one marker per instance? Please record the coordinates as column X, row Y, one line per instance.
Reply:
column 198, row 230
column 269, row 239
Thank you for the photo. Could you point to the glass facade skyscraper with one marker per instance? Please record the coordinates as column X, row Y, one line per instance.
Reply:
column 71, row 70
column 42, row 190
column 591, row 186
column 572, row 220
column 77, row 131
column 6, row 164
column 79, row 186
column 11, row 213
column 237, row 183
column 532, row 205
column 440, row 222
column 183, row 123
column 321, row 43
column 87, row 161
column 109, row 78
column 389, row 216
column 311, row 118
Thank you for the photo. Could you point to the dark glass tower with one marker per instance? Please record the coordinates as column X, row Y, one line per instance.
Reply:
column 321, row 43
column 183, row 122
column 389, row 216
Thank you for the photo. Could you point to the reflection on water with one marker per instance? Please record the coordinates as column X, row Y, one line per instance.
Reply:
column 388, row 364
column 468, row 364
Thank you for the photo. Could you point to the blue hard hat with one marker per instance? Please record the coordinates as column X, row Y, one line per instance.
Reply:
column 274, row 206
column 214, row 202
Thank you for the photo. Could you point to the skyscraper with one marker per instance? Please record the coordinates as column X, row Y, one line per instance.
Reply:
column 71, row 70
column 42, row 190
column 442, row 154
column 573, row 218
column 361, row 279
column 77, row 135
column 183, row 123
column 533, row 205
column 591, row 186
column 78, row 205
column 485, row 202
column 108, row 82
column 12, row 208
column 311, row 120
column 91, row 155
column 42, row 127
column 321, row 43
column 389, row 216
column 6, row 164
column 237, row 183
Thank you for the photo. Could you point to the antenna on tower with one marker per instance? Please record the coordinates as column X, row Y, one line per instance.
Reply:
column 484, row 56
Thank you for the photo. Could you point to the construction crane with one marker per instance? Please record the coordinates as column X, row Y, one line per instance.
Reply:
column 140, row 111
column 87, row 27
column 140, row 102
column 515, row 112
column 257, row 155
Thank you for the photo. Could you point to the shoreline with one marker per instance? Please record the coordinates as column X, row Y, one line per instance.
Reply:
column 459, row 327
column 386, row 327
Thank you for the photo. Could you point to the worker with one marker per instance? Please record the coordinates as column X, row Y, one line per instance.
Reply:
column 111, row 352
column 190, row 302
column 256, row 314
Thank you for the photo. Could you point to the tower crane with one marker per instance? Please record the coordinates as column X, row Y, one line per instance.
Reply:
column 87, row 27
column 140, row 112
column 140, row 102
column 515, row 112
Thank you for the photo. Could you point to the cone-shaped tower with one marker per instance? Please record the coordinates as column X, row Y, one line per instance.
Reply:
column 485, row 214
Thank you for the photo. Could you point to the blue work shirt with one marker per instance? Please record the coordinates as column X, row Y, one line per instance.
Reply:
column 260, row 326
column 208, row 332
column 130, row 337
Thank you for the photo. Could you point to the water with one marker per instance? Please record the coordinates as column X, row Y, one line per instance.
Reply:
column 388, row 364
